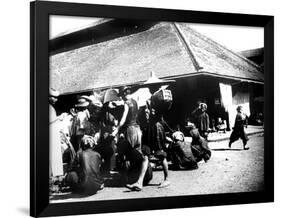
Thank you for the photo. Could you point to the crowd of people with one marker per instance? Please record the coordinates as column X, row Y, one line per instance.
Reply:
column 110, row 140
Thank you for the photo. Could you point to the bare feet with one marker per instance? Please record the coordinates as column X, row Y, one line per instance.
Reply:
column 134, row 187
column 101, row 186
column 164, row 184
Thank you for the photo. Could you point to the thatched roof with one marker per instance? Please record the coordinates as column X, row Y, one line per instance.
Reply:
column 68, row 33
column 252, row 52
column 169, row 49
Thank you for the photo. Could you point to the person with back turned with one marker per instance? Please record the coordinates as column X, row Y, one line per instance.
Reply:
column 132, row 138
column 154, row 132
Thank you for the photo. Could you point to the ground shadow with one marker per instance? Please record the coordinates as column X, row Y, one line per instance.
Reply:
column 173, row 168
column 114, row 183
column 129, row 190
column 183, row 169
column 64, row 196
column 227, row 149
column 153, row 184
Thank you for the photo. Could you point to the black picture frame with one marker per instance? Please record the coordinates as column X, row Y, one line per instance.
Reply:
column 39, row 123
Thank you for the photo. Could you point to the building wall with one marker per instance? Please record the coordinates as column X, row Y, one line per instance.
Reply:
column 240, row 96
column 187, row 92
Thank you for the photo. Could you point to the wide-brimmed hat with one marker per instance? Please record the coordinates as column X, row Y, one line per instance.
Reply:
column 154, row 81
column 53, row 93
column 93, row 99
column 110, row 95
column 82, row 103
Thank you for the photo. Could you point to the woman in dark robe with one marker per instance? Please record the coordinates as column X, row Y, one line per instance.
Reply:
column 238, row 129
column 201, row 119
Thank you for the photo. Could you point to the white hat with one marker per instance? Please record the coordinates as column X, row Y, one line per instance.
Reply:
column 53, row 92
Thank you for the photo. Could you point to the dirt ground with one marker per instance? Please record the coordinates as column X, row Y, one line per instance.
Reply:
column 228, row 171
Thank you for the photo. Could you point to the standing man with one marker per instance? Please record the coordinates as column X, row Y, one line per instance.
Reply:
column 238, row 129
column 56, row 163
column 202, row 120
column 132, row 133
column 81, row 123
column 95, row 110
column 111, row 114
column 154, row 133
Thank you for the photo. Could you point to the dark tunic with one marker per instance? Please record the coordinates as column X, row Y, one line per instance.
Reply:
column 154, row 132
column 182, row 155
column 199, row 146
column 204, row 122
column 201, row 120
column 95, row 116
column 107, row 144
column 90, row 162
column 86, row 178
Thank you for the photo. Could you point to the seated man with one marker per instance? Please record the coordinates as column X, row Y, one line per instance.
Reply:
column 199, row 146
column 181, row 153
column 86, row 178
column 221, row 125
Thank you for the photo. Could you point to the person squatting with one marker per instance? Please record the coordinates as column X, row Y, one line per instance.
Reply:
column 111, row 141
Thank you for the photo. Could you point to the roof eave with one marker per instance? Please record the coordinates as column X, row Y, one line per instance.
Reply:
column 206, row 73
column 200, row 73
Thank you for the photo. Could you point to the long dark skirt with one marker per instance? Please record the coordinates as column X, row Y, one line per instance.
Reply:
column 154, row 137
column 238, row 133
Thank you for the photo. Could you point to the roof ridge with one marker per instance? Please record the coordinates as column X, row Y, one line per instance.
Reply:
column 187, row 46
column 224, row 47
column 84, row 27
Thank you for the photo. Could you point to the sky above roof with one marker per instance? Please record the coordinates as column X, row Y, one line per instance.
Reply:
column 236, row 38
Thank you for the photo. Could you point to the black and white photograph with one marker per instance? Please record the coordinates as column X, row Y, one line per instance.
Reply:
column 140, row 108
column 145, row 109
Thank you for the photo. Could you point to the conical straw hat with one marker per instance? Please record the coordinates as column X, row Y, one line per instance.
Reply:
column 110, row 95
column 155, row 81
